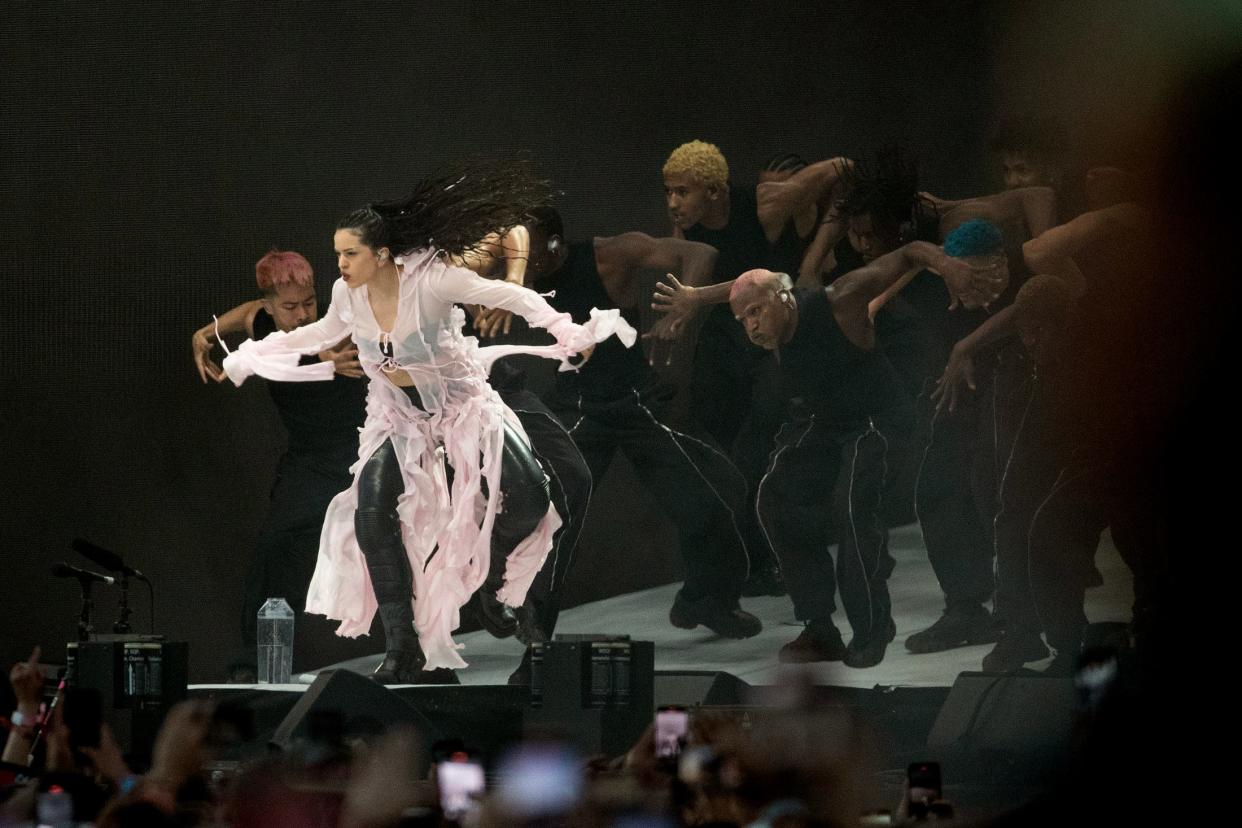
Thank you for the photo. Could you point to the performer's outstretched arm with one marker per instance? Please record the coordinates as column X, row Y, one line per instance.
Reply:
column 276, row 356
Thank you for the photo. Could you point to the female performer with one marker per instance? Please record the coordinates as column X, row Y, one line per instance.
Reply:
column 445, row 470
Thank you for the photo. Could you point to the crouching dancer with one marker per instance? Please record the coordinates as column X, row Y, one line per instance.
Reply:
column 847, row 415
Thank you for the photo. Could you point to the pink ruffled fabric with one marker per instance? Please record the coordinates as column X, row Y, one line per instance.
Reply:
column 447, row 530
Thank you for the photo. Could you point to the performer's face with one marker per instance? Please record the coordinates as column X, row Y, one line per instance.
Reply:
column 292, row 306
column 867, row 238
column 687, row 199
column 1021, row 169
column 764, row 314
column 357, row 263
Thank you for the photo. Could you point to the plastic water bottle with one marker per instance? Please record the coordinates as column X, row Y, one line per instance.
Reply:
column 275, row 634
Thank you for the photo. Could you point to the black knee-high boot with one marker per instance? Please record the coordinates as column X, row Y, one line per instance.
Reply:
column 378, row 530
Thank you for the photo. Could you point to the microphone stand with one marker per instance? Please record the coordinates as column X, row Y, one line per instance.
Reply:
column 121, row 626
column 85, row 629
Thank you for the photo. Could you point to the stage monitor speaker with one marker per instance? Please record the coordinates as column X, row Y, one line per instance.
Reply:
column 693, row 688
column 594, row 690
column 138, row 679
column 993, row 721
column 366, row 709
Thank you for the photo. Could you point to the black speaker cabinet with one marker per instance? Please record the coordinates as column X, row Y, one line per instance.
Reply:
column 138, row 680
column 596, row 691
column 995, row 721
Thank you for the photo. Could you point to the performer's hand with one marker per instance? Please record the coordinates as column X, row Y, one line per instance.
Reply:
column 959, row 370
column 585, row 353
column 973, row 287
column 344, row 358
column 662, row 336
column 676, row 300
column 26, row 678
column 491, row 322
column 201, row 344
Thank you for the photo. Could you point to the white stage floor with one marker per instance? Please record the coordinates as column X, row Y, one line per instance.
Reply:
column 917, row 603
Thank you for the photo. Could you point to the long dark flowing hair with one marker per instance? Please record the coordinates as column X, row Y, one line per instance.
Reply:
column 453, row 210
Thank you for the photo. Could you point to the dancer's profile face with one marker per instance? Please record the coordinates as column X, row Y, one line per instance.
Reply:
column 357, row 263
column 687, row 199
column 292, row 306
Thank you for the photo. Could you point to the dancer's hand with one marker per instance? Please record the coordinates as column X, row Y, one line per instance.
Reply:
column 201, row 344
column 491, row 322
column 959, row 371
column 344, row 357
column 678, row 301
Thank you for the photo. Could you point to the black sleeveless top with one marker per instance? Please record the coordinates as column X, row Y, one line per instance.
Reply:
column 613, row 369
column 824, row 374
column 322, row 418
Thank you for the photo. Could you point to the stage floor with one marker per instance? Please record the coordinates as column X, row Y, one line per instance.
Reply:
column 917, row 603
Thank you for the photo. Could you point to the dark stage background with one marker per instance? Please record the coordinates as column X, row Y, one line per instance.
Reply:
column 152, row 152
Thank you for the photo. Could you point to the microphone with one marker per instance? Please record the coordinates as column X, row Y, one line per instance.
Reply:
column 64, row 570
column 106, row 558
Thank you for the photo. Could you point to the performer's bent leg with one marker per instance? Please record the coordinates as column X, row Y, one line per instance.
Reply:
column 378, row 530
column 954, row 502
column 570, row 486
column 792, row 508
column 523, row 504
column 703, row 494
column 863, row 560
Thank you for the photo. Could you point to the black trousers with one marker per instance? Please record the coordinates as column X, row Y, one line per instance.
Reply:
column 735, row 401
column 694, row 484
column 288, row 545
column 524, row 489
column 570, row 482
column 955, row 492
column 828, row 480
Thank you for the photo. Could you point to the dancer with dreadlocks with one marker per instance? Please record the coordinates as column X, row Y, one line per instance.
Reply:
column 445, row 473
column 951, row 473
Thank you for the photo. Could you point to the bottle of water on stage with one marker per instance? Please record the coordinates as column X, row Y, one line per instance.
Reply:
column 275, row 641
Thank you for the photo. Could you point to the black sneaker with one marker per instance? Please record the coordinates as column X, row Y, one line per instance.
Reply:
column 1014, row 650
column 767, row 581
column 713, row 613
column 956, row 628
column 818, row 641
column 870, row 652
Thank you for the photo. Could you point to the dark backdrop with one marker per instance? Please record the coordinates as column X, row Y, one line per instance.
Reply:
column 152, row 152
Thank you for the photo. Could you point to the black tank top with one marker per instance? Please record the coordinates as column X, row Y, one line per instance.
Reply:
column 322, row 418
column 613, row 368
column 825, row 374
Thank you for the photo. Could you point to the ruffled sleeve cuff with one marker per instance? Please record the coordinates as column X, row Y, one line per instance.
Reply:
column 572, row 339
column 249, row 358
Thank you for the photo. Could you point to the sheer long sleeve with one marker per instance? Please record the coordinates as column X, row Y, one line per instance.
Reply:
column 276, row 356
column 455, row 284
